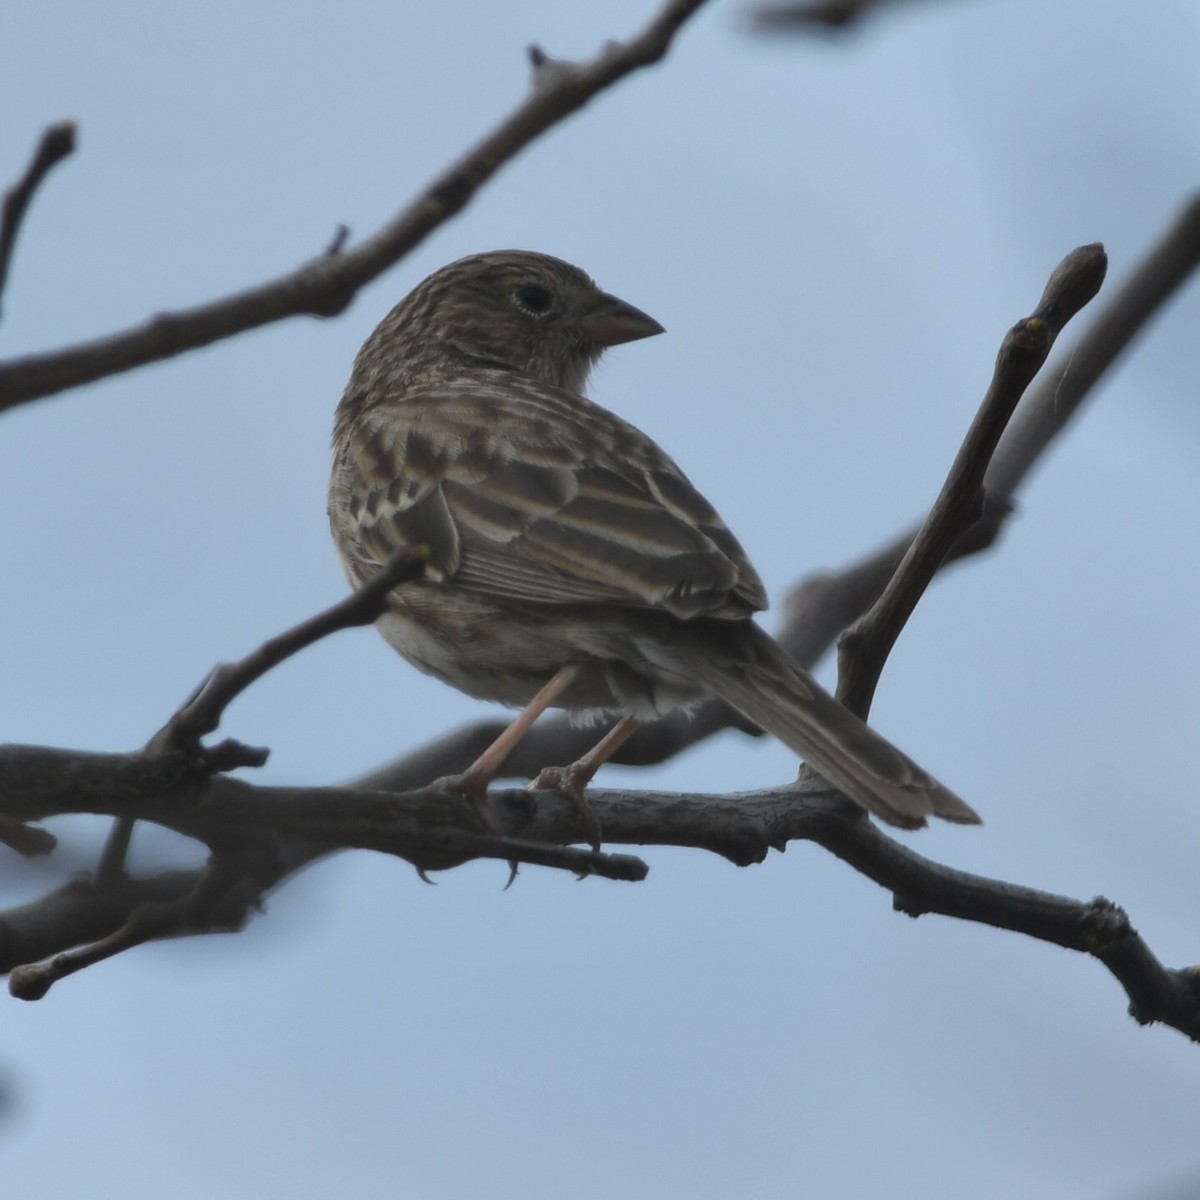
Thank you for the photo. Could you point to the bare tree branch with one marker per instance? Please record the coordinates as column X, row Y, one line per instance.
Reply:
column 203, row 712
column 822, row 606
column 1058, row 394
column 24, row 839
column 57, row 143
column 257, row 835
column 325, row 287
column 438, row 830
column 149, row 919
column 817, row 14
column 745, row 827
column 865, row 646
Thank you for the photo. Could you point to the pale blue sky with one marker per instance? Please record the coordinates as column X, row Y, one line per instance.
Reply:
column 836, row 235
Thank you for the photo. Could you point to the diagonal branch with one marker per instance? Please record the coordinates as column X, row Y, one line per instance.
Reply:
column 1058, row 394
column 57, row 143
column 182, row 734
column 325, row 287
column 864, row 648
column 744, row 828
column 823, row 605
column 203, row 712
column 1095, row 927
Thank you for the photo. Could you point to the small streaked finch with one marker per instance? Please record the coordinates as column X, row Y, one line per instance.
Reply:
column 572, row 563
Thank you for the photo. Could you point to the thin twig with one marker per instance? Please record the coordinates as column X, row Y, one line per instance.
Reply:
column 57, row 143
column 325, row 287
column 204, row 907
column 864, row 647
column 202, row 713
column 151, row 919
column 110, row 870
column 1057, row 394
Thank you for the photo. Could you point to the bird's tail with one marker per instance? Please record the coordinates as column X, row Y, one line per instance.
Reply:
column 774, row 693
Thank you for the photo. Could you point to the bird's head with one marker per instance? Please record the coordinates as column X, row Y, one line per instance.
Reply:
column 510, row 308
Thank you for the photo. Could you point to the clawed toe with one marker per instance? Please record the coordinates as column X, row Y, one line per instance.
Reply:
column 570, row 781
column 473, row 789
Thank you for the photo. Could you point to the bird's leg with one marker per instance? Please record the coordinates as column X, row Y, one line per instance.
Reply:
column 473, row 782
column 572, row 779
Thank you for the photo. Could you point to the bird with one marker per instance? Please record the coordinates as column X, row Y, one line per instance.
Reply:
column 570, row 563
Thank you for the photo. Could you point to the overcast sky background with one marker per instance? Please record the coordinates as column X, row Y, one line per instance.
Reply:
column 836, row 234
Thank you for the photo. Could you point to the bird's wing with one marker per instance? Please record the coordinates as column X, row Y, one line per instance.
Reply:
column 540, row 496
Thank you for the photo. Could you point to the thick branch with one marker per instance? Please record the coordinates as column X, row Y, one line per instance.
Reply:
column 744, row 827
column 1095, row 927
column 325, row 287
column 438, row 830
column 258, row 836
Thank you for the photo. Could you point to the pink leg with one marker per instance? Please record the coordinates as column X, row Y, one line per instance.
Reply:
column 473, row 782
column 572, row 779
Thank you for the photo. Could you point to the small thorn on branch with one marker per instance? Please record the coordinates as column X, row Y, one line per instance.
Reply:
column 341, row 236
column 625, row 868
column 547, row 71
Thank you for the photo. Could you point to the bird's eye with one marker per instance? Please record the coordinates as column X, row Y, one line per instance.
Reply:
column 533, row 299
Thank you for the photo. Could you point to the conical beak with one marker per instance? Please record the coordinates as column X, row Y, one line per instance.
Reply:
column 610, row 321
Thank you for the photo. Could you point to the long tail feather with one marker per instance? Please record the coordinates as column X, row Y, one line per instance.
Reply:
column 772, row 692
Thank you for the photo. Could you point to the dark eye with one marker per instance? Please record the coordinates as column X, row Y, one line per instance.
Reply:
column 533, row 299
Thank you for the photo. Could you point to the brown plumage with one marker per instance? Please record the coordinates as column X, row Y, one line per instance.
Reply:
column 564, row 544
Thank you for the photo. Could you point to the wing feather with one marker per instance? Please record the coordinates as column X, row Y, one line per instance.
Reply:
column 569, row 505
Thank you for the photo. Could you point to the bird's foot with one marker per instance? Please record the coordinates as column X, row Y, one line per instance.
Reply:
column 571, row 781
column 472, row 786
